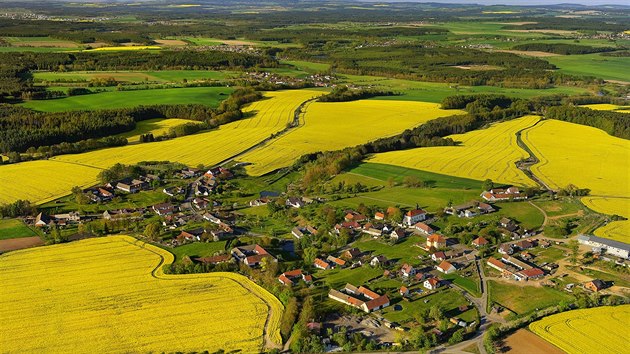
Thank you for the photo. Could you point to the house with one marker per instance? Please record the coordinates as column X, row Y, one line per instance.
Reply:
column 438, row 256
column 311, row 230
column 407, row 270
column 611, row 247
column 213, row 219
column 321, row 264
column 259, row 202
column 361, row 298
column 297, row 233
column 496, row 264
column 397, row 234
column 446, row 267
column 200, row 203
column 295, row 202
column 372, row 231
column 379, row 216
column 351, row 253
column 250, row 255
column 544, row 244
column 403, row 291
column 506, row 249
column 485, row 208
column 414, row 216
column 432, row 283
column 164, row 209
column 334, row 261
column 219, row 172
column 424, row 228
column 42, row 220
column 479, row 242
column 595, row 285
column 214, row 259
column 526, row 274
column 500, row 194
column 191, row 235
column 379, row 261
column 506, row 222
column 354, row 216
column 436, row 241
column 173, row 191
column 291, row 278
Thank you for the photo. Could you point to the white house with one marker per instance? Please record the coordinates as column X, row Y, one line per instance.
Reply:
column 446, row 268
column 414, row 216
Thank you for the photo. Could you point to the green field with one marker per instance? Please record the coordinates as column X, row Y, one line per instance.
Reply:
column 448, row 300
column 210, row 96
column 382, row 173
column 198, row 249
column 12, row 228
column 436, row 92
column 608, row 68
column 132, row 76
column 524, row 299
column 338, row 277
column 402, row 252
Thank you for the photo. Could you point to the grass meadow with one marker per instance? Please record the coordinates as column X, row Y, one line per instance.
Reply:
column 210, row 96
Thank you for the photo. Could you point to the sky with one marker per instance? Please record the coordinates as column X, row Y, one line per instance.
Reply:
column 520, row 2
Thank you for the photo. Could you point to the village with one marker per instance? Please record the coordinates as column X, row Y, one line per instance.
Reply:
column 388, row 264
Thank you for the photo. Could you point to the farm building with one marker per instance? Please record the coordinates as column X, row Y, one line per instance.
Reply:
column 500, row 194
column 414, row 216
column 615, row 248
column 361, row 298
column 250, row 255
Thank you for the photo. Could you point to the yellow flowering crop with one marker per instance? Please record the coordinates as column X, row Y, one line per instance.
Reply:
column 110, row 295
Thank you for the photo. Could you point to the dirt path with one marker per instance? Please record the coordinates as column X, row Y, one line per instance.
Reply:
column 526, row 164
column 543, row 212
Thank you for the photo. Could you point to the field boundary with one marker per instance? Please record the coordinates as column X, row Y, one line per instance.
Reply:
column 271, row 330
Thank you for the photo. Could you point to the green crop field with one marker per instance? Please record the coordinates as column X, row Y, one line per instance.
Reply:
column 132, row 76
column 197, row 249
column 12, row 228
column 210, row 96
column 608, row 68
column 382, row 172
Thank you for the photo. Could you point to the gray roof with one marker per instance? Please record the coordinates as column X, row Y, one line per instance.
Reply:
column 607, row 242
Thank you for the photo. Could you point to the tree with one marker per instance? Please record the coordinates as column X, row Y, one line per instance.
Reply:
column 575, row 251
column 436, row 312
column 309, row 255
column 457, row 337
column 152, row 231
column 391, row 182
column 395, row 215
column 412, row 182
column 487, row 185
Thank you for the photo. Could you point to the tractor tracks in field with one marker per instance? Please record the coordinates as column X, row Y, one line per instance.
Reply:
column 292, row 126
column 526, row 164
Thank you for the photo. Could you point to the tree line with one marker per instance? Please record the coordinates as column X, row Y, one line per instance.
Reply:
column 344, row 94
column 614, row 123
column 21, row 128
column 563, row 48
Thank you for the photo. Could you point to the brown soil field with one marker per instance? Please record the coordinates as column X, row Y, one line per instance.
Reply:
column 20, row 243
column 45, row 44
column 170, row 42
column 237, row 42
column 526, row 342
column 530, row 53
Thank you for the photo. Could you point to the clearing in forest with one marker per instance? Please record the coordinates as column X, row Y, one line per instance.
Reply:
column 484, row 153
column 110, row 295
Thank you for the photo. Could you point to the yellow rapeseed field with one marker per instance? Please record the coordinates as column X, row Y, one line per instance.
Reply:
column 585, row 156
column 485, row 153
column 589, row 158
column 42, row 181
column 597, row 330
column 39, row 181
column 616, row 230
column 109, row 295
column 332, row 126
column 608, row 107
column 156, row 127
